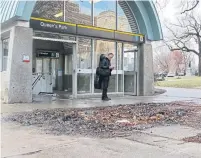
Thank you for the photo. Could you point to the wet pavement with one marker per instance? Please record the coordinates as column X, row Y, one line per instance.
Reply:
column 183, row 93
column 48, row 102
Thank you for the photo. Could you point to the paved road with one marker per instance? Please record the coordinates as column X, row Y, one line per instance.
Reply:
column 182, row 93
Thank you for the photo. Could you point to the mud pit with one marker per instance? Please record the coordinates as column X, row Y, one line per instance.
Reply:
column 110, row 121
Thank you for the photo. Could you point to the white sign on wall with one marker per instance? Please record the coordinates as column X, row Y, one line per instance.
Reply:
column 25, row 58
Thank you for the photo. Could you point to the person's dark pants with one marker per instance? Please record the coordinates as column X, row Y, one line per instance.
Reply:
column 105, row 81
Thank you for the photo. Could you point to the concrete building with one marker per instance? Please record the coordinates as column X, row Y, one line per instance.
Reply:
column 54, row 47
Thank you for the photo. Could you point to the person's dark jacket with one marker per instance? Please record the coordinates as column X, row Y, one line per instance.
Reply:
column 104, row 66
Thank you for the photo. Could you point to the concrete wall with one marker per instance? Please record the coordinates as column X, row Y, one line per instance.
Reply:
column 19, row 72
column 4, row 85
column 145, row 81
column 148, row 70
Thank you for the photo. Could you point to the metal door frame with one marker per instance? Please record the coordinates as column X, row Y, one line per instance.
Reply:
column 90, row 71
column 74, row 66
column 135, row 72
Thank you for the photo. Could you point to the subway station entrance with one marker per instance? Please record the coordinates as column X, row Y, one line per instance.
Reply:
column 56, row 45
column 53, row 66
column 65, row 65
column 66, row 55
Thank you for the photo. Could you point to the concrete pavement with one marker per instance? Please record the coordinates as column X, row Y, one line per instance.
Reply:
column 28, row 142
column 171, row 94
column 158, row 142
column 182, row 93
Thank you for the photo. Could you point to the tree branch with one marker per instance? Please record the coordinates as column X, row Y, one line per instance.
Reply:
column 187, row 10
column 185, row 49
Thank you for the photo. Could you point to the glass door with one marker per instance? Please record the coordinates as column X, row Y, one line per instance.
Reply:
column 84, row 66
column 130, row 73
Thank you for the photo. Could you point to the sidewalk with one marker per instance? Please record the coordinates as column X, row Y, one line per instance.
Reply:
column 47, row 102
column 158, row 142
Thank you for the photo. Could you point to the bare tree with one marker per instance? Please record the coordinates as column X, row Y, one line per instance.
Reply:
column 189, row 5
column 186, row 36
column 188, row 58
column 161, row 62
column 184, row 5
column 161, row 4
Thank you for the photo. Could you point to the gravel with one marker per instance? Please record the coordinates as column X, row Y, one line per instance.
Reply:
column 113, row 121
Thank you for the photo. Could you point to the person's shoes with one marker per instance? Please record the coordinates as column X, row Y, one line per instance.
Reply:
column 108, row 98
column 105, row 99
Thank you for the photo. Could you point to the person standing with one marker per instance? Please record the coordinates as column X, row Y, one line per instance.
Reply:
column 105, row 70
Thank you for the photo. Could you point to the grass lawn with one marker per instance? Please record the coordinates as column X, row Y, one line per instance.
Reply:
column 183, row 82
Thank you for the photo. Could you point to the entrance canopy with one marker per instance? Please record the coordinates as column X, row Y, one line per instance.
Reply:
column 143, row 12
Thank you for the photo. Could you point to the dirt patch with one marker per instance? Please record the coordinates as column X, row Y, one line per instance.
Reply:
column 194, row 139
column 109, row 121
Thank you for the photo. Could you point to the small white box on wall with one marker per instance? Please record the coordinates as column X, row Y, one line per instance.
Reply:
column 25, row 58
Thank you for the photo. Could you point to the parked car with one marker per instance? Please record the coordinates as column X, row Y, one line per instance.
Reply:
column 171, row 75
column 159, row 77
column 181, row 74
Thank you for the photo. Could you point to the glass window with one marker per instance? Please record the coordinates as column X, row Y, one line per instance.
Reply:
column 129, row 68
column 84, row 53
column 84, row 61
column 78, row 12
column 120, row 82
column 83, row 83
column 112, row 83
column 129, row 57
column 120, row 56
column 49, row 10
column 104, row 14
column 105, row 47
column 5, row 44
column 120, row 66
column 122, row 21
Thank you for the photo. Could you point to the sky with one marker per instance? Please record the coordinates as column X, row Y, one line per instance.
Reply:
column 168, row 12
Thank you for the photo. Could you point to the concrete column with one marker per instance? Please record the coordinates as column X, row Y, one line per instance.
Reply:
column 60, row 73
column 145, row 79
column 19, row 72
column 1, row 55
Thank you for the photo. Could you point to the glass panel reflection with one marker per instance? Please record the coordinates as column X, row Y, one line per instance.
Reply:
column 104, row 14
column 120, row 82
column 78, row 12
column 84, row 53
column 83, row 83
column 111, row 87
column 129, row 67
column 112, row 83
column 49, row 10
column 120, row 56
column 5, row 44
column 103, row 47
